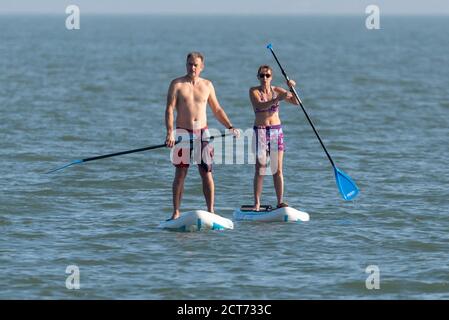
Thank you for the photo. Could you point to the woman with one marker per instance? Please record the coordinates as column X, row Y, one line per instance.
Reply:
column 269, row 138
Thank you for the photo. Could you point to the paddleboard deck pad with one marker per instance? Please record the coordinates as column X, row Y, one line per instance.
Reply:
column 197, row 220
column 269, row 214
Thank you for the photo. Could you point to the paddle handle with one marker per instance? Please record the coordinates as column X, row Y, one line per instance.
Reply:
column 292, row 89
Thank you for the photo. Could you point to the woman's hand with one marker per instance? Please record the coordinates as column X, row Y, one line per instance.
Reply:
column 291, row 83
column 283, row 96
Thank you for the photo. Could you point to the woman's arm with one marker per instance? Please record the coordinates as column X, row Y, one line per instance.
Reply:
column 254, row 96
column 289, row 97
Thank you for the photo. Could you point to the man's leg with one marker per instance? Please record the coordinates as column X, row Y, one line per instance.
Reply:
column 208, row 187
column 178, row 189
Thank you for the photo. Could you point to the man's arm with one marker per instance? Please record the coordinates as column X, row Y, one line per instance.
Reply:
column 217, row 109
column 169, row 115
column 219, row 112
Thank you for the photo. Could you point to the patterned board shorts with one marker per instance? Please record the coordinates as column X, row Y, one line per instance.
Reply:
column 194, row 143
column 268, row 137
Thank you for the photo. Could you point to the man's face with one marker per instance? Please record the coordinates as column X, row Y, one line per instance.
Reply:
column 194, row 67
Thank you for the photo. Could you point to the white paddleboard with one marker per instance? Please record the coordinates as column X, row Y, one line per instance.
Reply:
column 285, row 214
column 197, row 220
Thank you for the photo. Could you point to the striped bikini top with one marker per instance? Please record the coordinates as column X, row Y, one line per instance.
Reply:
column 274, row 107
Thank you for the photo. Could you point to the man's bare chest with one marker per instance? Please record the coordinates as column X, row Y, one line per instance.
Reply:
column 189, row 95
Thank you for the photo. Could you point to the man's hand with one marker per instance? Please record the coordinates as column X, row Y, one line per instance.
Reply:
column 170, row 140
column 235, row 132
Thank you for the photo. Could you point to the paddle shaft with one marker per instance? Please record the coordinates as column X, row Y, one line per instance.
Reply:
column 123, row 152
column 139, row 150
column 292, row 89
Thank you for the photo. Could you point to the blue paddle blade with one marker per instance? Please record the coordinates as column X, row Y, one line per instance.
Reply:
column 347, row 187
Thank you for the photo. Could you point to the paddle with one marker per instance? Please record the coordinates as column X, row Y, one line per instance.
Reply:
column 125, row 152
column 346, row 186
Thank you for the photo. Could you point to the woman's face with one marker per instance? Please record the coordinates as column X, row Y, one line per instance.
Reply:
column 264, row 76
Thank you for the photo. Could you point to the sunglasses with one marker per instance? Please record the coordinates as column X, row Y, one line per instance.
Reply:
column 264, row 75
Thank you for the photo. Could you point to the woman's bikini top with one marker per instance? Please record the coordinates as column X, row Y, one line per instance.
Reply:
column 274, row 107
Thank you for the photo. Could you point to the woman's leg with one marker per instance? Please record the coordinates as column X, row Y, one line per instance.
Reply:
column 258, row 183
column 278, row 177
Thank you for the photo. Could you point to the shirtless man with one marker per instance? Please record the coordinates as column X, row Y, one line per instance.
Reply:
column 189, row 96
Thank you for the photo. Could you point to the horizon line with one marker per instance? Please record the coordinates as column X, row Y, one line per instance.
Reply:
column 221, row 14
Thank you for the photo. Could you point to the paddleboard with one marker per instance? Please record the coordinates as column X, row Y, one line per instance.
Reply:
column 268, row 214
column 197, row 220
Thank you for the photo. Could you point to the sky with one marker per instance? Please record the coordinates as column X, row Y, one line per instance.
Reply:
column 325, row 7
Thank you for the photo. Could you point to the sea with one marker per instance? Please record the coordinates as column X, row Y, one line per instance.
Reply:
column 378, row 98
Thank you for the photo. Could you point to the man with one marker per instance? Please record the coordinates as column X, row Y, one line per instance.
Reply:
column 189, row 96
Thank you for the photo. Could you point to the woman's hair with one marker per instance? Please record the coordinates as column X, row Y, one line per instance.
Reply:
column 264, row 66
column 195, row 55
